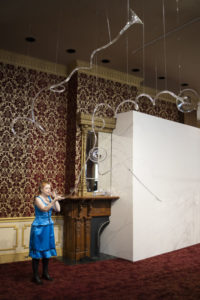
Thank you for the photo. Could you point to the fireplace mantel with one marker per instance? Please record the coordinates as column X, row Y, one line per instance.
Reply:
column 79, row 212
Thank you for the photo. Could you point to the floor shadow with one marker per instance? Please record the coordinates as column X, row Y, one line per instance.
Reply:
column 86, row 259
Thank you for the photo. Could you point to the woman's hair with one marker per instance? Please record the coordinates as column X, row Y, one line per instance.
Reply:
column 42, row 185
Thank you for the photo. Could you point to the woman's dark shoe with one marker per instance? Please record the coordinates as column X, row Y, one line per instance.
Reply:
column 47, row 277
column 37, row 280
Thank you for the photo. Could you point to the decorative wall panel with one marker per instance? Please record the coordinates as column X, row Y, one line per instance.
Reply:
column 12, row 243
column 15, row 235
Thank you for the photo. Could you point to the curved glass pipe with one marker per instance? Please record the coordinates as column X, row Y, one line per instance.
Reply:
column 26, row 119
column 60, row 88
column 134, row 19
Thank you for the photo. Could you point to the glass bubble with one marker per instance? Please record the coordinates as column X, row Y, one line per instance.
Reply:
column 187, row 100
column 97, row 154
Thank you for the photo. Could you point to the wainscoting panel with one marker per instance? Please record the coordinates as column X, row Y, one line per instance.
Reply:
column 15, row 233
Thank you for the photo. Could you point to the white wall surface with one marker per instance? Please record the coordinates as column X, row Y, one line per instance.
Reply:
column 160, row 212
column 117, row 238
column 104, row 176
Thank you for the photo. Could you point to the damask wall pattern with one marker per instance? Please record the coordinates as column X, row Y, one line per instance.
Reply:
column 25, row 161
column 71, row 160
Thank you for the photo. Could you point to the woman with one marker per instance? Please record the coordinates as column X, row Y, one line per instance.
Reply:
column 42, row 241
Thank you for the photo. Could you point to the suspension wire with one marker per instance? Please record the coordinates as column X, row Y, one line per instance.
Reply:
column 164, row 44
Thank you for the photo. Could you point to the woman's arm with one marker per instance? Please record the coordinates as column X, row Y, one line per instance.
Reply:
column 42, row 207
column 56, row 198
column 56, row 206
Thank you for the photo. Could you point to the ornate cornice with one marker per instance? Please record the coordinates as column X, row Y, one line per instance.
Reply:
column 61, row 70
column 106, row 73
column 85, row 121
column 32, row 63
column 117, row 76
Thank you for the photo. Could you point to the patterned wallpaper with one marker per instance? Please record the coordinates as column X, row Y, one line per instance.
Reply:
column 56, row 154
column 71, row 133
column 25, row 161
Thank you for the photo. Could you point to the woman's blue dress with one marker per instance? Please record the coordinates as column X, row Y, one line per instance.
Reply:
column 42, row 240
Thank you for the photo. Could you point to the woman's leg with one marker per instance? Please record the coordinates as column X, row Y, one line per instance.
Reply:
column 35, row 264
column 45, row 275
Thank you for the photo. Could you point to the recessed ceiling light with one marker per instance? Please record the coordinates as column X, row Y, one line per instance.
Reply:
column 184, row 84
column 135, row 70
column 30, row 39
column 161, row 77
column 71, row 50
column 105, row 61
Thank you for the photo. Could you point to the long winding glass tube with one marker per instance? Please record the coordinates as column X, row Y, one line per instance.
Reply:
column 145, row 95
column 169, row 93
column 183, row 102
column 134, row 19
column 26, row 119
column 60, row 88
column 32, row 118
column 127, row 101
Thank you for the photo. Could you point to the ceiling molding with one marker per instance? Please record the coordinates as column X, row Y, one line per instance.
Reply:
column 61, row 70
column 32, row 63
column 106, row 73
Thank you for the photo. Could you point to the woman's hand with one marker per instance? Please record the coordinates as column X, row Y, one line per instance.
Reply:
column 56, row 197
